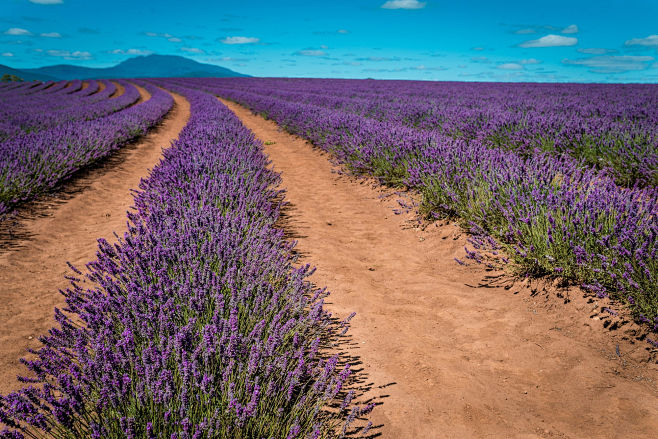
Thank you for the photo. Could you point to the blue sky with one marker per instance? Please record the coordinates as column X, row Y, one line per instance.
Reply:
column 474, row 40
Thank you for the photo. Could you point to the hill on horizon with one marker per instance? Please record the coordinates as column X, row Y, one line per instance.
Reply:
column 148, row 66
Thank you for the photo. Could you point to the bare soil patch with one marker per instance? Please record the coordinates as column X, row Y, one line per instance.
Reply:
column 119, row 91
column 144, row 95
column 65, row 227
column 101, row 87
column 455, row 351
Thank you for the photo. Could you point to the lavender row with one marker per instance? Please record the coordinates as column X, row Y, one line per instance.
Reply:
column 609, row 127
column 195, row 324
column 552, row 216
column 35, row 162
column 20, row 114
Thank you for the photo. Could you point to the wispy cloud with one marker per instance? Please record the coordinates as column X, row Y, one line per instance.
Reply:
column 192, row 49
column 612, row 64
column 551, row 41
column 47, row 2
column 384, row 59
column 131, row 52
column 343, row 31
column 8, row 54
column 597, row 51
column 650, row 41
column 424, row 67
column 51, row 35
column 510, row 66
column 17, row 31
column 481, row 59
column 403, row 4
column 240, row 40
column 169, row 37
column 571, row 29
column 530, row 61
column 75, row 55
column 311, row 52
column 393, row 70
column 347, row 63
column 525, row 31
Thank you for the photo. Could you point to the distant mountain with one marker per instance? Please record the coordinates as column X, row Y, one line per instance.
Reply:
column 27, row 76
column 149, row 66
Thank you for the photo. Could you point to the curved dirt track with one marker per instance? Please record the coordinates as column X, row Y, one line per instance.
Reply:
column 32, row 270
column 447, row 356
column 144, row 95
column 119, row 91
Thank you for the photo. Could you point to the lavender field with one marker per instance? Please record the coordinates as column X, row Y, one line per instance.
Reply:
column 562, row 177
column 200, row 323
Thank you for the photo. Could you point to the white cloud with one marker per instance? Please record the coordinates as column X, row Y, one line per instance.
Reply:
column 650, row 41
column 571, row 29
column 525, row 31
column 168, row 36
column 131, row 52
column 383, row 58
column 612, row 64
column 17, row 31
column 530, row 61
column 597, row 51
column 424, row 67
column 8, row 54
column 510, row 66
column 343, row 31
column 481, row 59
column 47, row 2
column 551, row 41
column 311, row 52
column 52, row 35
column 403, row 4
column 192, row 49
column 240, row 40
column 75, row 55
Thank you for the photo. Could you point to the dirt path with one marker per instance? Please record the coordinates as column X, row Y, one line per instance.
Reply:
column 66, row 229
column 447, row 356
column 119, row 91
column 144, row 95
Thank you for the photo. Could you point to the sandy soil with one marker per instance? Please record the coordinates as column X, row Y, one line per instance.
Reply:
column 455, row 351
column 144, row 95
column 65, row 227
column 119, row 91
column 101, row 87
column 85, row 84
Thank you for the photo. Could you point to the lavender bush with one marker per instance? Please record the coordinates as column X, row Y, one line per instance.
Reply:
column 35, row 162
column 20, row 114
column 609, row 127
column 195, row 324
column 555, row 215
